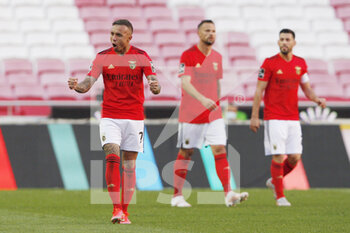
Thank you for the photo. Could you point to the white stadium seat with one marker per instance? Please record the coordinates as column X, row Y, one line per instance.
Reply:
column 13, row 52
column 281, row 3
column 226, row 25
column 58, row 2
column 335, row 38
column 256, row 12
column 37, row 39
column 177, row 3
column 72, row 38
column 265, row 25
column 305, row 38
column 314, row 2
column 35, row 25
column 259, row 39
column 309, row 51
column 220, row 12
column 62, row 12
column 16, row 3
column 11, row 38
column 211, row 3
column 250, row 2
column 337, row 52
column 288, row 12
column 297, row 25
column 40, row 51
column 327, row 25
column 29, row 12
column 73, row 25
column 267, row 51
column 8, row 26
column 6, row 13
column 72, row 52
column 319, row 12
column 4, row 2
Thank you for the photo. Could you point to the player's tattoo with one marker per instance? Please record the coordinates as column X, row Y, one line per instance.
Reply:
column 111, row 148
column 85, row 85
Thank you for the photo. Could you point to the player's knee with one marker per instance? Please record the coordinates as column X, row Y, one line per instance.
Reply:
column 293, row 159
column 187, row 153
column 218, row 150
column 111, row 148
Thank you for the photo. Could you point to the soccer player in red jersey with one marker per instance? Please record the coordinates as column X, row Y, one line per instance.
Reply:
column 121, row 128
column 280, row 77
column 200, row 116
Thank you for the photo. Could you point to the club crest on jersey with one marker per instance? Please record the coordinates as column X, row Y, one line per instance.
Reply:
column 215, row 65
column 261, row 73
column 132, row 64
column 298, row 70
column 182, row 68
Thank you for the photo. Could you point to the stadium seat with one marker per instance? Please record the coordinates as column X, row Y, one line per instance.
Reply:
column 58, row 2
column 29, row 12
column 151, row 3
column 45, row 66
column 327, row 25
column 12, row 51
column 309, row 51
column 281, row 3
column 100, row 39
column 28, row 26
column 172, row 52
column 343, row 12
column 298, row 25
column 37, row 52
column 163, row 39
column 142, row 39
column 83, row 3
column 170, row 91
column 95, row 13
column 337, row 52
column 157, row 13
column 29, row 92
column 334, row 38
column 70, row 25
column 329, row 91
column 140, row 26
column 222, row 12
column 245, row 65
column 339, row 3
column 184, row 3
column 347, row 25
column 318, row 12
column 157, row 26
column 192, row 39
column 131, row 13
column 237, row 38
column 3, row 80
column 306, row 39
column 347, row 92
column 40, row 38
column 288, row 12
column 250, row 3
column 52, row 79
column 6, row 13
column 255, row 12
column 61, row 92
column 317, row 66
column 98, row 26
column 250, row 91
column 9, row 26
column 241, row 52
column 341, row 66
column 226, row 25
column 261, row 25
column 6, row 92
column 344, row 80
column 322, row 79
column 266, row 51
column 21, row 79
column 76, row 66
column 121, row 3
column 259, row 39
column 62, row 12
column 15, row 66
column 190, row 25
column 190, row 13
column 71, row 52
column 314, row 3
column 11, row 38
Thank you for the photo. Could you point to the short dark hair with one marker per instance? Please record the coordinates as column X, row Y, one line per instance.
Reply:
column 124, row 22
column 286, row 30
column 205, row 21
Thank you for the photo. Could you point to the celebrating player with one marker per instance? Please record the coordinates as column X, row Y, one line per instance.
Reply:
column 121, row 128
column 280, row 77
column 200, row 117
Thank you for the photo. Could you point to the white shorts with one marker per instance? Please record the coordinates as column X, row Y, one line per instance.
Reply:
column 196, row 135
column 128, row 134
column 282, row 137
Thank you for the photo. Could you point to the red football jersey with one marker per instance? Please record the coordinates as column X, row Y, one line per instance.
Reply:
column 205, row 72
column 281, row 93
column 123, row 96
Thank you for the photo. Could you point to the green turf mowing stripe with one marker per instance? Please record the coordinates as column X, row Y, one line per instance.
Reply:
column 68, row 157
column 210, row 170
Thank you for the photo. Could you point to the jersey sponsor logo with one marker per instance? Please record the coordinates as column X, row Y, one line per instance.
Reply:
column 153, row 67
column 198, row 65
column 261, row 73
column 279, row 71
column 215, row 66
column 182, row 68
column 132, row 64
column 298, row 70
column 111, row 67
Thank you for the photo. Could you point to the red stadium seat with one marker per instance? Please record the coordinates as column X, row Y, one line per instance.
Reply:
column 317, row 66
column 341, row 66
column 12, row 66
column 192, row 38
column 347, row 92
column 100, row 26
column 322, row 79
column 61, row 92
column 95, row 13
column 344, row 79
column 343, row 12
column 237, row 38
column 142, row 39
column 53, row 79
column 241, row 52
column 152, row 51
column 190, row 25
column 245, row 65
column 131, row 13
column 334, row 91
column 339, row 3
column 3, row 80
column 170, row 89
column 140, row 26
column 154, row 13
column 121, row 3
column 50, row 66
column 158, row 26
column 100, row 39
column 6, row 92
column 149, row 3
column 84, row 3
column 191, row 13
column 163, row 39
column 172, row 53
column 79, row 66
column 21, row 79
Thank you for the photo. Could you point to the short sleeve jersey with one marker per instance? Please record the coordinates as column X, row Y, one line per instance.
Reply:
column 123, row 96
column 205, row 72
column 281, row 93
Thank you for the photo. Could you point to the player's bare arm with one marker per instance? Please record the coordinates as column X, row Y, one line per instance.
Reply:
column 190, row 89
column 254, row 120
column 219, row 89
column 83, row 86
column 310, row 94
column 153, row 84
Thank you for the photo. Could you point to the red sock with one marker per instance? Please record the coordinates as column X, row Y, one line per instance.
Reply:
column 180, row 172
column 277, row 178
column 113, row 178
column 223, row 171
column 287, row 167
column 128, row 186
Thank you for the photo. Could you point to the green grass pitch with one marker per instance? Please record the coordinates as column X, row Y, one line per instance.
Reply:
column 56, row 210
